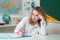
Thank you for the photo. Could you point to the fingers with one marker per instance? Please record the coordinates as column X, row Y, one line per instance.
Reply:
column 21, row 32
column 41, row 17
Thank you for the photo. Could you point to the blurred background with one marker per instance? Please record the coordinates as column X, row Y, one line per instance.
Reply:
column 12, row 11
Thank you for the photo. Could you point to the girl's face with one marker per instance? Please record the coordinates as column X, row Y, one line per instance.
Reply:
column 35, row 16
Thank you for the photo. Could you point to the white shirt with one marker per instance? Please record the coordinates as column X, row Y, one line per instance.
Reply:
column 24, row 24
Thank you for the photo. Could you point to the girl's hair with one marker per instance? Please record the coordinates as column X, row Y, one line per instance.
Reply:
column 41, row 12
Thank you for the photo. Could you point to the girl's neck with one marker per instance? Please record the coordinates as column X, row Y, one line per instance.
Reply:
column 34, row 23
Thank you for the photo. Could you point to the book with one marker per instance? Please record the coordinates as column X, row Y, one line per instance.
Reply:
column 14, row 36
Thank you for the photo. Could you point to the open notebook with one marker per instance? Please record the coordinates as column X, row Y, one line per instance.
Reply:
column 13, row 36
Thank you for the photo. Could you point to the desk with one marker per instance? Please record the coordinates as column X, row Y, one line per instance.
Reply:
column 35, row 37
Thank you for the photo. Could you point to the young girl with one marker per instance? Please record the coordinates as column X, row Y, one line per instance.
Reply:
column 34, row 24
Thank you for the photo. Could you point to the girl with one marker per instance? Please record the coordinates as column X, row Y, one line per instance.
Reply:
column 34, row 24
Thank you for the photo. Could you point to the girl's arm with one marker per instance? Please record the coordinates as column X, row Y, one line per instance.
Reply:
column 43, row 27
column 21, row 25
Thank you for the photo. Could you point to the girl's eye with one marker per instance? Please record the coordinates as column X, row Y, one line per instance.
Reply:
column 34, row 14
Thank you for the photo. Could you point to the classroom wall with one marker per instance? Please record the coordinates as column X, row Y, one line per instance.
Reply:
column 15, row 8
column 51, row 7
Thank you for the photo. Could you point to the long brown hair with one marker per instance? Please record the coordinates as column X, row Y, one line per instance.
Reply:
column 41, row 12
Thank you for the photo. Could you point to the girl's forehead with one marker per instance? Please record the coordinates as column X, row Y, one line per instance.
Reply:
column 35, row 12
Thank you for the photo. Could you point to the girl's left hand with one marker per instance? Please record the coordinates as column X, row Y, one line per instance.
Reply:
column 41, row 17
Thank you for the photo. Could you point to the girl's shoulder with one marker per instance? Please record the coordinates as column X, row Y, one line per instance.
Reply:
column 25, row 18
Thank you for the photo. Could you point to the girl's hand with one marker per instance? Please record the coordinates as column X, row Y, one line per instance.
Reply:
column 41, row 17
column 21, row 32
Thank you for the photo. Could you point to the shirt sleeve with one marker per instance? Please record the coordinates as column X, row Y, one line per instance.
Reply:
column 21, row 24
column 43, row 27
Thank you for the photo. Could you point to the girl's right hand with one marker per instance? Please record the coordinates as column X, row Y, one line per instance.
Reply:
column 21, row 32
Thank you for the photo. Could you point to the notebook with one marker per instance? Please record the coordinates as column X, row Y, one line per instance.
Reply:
column 13, row 36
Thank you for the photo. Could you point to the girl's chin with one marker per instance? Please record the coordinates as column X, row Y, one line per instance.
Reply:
column 34, row 21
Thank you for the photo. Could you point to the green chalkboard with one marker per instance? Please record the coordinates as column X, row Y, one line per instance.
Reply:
column 51, row 7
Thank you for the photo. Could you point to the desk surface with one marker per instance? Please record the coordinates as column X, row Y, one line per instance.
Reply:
column 36, row 37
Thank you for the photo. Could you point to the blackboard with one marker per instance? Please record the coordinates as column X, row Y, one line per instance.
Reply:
column 51, row 7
